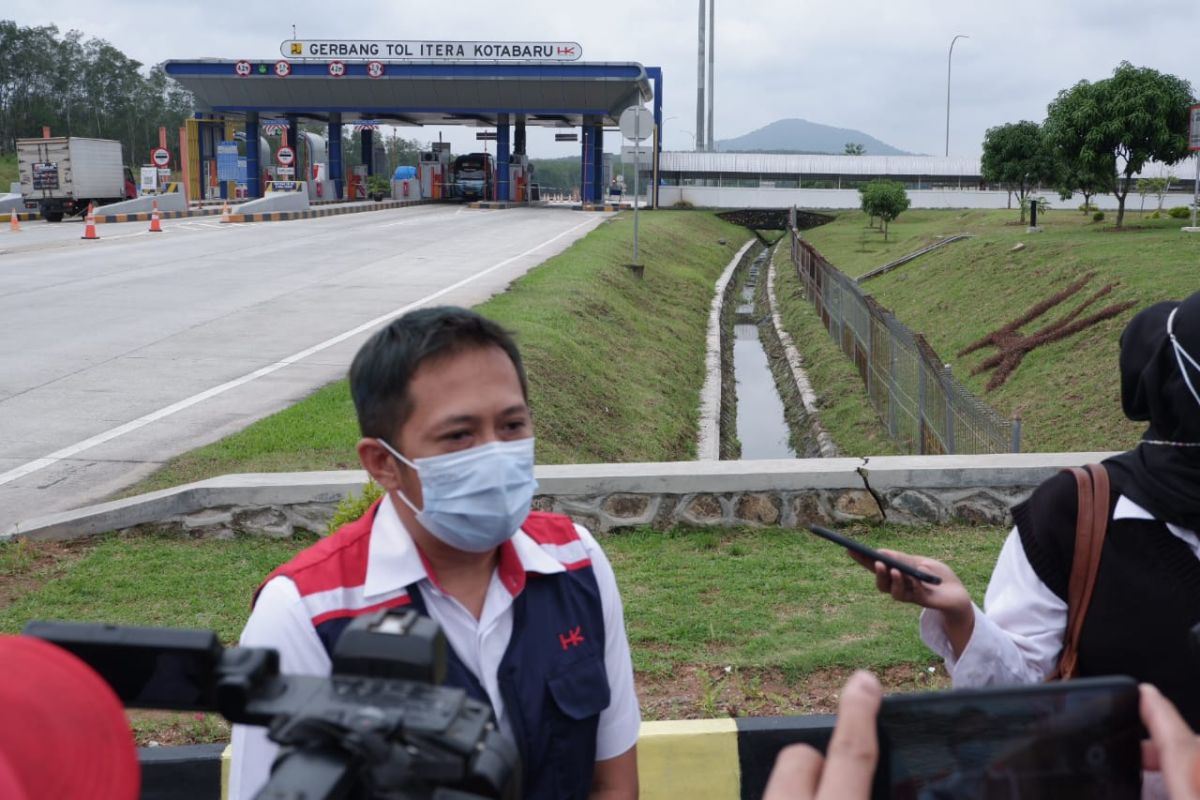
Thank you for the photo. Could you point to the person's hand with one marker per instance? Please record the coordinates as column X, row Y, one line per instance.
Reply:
column 1173, row 748
column 846, row 770
column 950, row 596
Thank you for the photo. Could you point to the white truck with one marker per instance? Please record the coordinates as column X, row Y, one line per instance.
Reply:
column 61, row 175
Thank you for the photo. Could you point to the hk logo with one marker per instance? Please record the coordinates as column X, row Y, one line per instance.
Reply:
column 572, row 639
column 566, row 51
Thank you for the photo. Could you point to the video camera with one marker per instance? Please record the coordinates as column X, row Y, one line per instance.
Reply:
column 378, row 727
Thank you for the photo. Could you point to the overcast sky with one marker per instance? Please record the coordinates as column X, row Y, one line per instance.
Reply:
column 875, row 66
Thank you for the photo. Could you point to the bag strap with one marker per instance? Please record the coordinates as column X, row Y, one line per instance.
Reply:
column 1090, row 527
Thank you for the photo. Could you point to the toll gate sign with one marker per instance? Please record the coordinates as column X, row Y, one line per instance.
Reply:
column 418, row 50
column 160, row 157
column 286, row 156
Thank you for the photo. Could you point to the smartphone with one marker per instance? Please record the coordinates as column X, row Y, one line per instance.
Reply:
column 871, row 553
column 1065, row 740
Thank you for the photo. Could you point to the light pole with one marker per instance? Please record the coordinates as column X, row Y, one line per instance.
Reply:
column 948, row 64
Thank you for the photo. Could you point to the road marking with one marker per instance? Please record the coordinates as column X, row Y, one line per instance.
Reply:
column 188, row 402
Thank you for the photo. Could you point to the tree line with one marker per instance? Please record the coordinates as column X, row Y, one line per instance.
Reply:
column 83, row 87
column 1095, row 138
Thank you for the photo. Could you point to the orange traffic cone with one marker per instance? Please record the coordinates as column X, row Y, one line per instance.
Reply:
column 155, row 223
column 14, row 222
column 89, row 229
column 225, row 213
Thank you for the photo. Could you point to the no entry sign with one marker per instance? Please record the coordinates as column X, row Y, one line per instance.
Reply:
column 160, row 157
column 286, row 156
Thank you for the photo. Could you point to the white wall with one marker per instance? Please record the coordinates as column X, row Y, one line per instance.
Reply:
column 737, row 197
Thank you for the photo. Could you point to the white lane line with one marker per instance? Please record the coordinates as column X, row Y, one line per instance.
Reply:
column 174, row 408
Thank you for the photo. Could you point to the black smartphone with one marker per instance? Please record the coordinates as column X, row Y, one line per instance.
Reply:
column 1064, row 740
column 871, row 553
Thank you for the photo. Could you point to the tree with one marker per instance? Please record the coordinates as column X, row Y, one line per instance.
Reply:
column 1019, row 157
column 1155, row 186
column 1090, row 181
column 854, row 149
column 1117, row 124
column 886, row 200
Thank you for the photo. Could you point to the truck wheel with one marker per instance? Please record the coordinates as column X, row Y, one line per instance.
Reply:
column 52, row 216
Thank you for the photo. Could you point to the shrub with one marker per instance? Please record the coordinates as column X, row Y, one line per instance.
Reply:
column 353, row 507
column 1087, row 208
column 1098, row 216
column 1179, row 212
column 1155, row 215
column 682, row 204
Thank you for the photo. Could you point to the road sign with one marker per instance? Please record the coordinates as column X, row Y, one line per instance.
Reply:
column 286, row 156
column 242, row 68
column 1194, row 138
column 485, row 136
column 160, row 157
column 634, row 154
column 566, row 137
column 337, row 69
column 374, row 69
column 637, row 123
column 283, row 69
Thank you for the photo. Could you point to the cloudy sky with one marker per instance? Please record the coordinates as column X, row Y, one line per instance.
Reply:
column 879, row 67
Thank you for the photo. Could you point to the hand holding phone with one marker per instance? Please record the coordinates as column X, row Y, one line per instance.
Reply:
column 872, row 555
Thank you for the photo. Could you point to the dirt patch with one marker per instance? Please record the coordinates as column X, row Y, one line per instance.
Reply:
column 693, row 692
column 27, row 565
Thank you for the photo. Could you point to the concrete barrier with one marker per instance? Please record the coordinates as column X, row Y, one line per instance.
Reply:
column 171, row 201
column 11, row 202
column 784, row 492
column 275, row 201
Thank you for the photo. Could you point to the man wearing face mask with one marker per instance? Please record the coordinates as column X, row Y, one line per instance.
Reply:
column 528, row 601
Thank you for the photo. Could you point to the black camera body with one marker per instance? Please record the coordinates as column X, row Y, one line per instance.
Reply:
column 379, row 727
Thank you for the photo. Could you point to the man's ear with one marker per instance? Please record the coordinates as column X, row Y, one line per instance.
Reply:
column 379, row 463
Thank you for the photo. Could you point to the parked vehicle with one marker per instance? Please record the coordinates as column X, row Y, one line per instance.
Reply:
column 473, row 176
column 62, row 176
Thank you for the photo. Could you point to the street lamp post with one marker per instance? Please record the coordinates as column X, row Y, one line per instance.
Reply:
column 948, row 65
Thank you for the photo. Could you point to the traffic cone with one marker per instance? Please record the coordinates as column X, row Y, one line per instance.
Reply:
column 14, row 222
column 225, row 213
column 155, row 223
column 89, row 229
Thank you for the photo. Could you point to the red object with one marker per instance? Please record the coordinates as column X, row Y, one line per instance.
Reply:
column 160, row 157
column 130, row 189
column 65, row 732
column 286, row 156
column 243, row 69
column 375, row 69
column 337, row 69
column 155, row 220
column 283, row 69
column 404, row 185
column 89, row 228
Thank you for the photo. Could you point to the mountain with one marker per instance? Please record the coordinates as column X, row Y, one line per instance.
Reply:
column 802, row 136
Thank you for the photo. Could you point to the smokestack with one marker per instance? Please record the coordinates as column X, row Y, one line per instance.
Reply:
column 712, row 76
column 700, row 85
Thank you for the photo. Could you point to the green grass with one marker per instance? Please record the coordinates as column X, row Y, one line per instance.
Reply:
column 768, row 598
column 843, row 409
column 8, row 171
column 1067, row 392
column 615, row 363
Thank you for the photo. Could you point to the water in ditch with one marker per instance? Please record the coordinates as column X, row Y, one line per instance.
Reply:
column 761, row 426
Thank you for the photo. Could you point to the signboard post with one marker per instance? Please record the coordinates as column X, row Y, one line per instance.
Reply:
column 637, row 123
column 1194, row 146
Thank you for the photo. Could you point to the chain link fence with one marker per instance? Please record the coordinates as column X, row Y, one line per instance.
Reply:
column 924, row 408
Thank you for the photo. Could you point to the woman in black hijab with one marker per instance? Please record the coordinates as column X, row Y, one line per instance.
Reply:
column 1147, row 591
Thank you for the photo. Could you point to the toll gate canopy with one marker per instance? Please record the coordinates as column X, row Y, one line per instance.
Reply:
column 506, row 96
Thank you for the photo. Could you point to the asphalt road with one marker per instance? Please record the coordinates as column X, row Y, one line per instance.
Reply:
column 117, row 354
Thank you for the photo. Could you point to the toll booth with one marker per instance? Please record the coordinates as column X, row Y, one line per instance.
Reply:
column 433, row 171
column 518, row 178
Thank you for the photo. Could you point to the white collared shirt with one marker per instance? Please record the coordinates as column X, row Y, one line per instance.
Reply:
column 280, row 620
column 1017, row 640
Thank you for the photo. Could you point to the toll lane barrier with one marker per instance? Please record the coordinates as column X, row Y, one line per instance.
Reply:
column 144, row 216
column 284, row 216
column 22, row 216
column 700, row 759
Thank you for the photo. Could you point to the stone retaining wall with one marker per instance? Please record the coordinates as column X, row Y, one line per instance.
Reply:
column 605, row 497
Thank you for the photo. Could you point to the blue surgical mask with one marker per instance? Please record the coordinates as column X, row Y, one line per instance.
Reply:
column 474, row 499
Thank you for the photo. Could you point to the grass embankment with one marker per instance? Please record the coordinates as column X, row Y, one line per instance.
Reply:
column 843, row 408
column 739, row 621
column 1066, row 391
column 615, row 363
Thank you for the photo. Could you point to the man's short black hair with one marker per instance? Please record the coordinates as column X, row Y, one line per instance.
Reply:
column 383, row 367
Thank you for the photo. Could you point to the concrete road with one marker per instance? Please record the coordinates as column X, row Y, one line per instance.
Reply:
column 118, row 354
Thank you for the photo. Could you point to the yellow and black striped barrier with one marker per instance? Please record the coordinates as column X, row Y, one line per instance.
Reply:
column 327, row 211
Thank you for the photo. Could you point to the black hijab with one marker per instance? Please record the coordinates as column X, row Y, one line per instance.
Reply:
column 1162, row 478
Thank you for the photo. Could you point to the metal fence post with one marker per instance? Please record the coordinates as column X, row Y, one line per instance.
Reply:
column 870, row 359
column 920, row 407
column 1016, row 432
column 892, row 393
column 946, row 388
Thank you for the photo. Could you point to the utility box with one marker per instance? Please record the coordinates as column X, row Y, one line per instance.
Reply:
column 63, row 175
column 433, row 172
